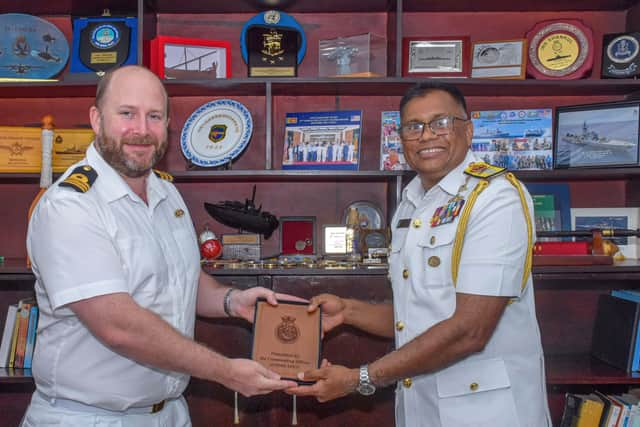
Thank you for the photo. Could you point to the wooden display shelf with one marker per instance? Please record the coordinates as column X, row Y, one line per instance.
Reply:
column 584, row 369
column 15, row 376
column 76, row 85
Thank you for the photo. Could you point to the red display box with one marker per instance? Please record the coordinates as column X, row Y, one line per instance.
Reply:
column 298, row 235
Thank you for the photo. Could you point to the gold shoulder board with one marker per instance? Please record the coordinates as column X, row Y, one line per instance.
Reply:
column 81, row 179
column 163, row 175
column 484, row 170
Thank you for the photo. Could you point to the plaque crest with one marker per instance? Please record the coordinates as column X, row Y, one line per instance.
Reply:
column 560, row 50
column 287, row 331
column 620, row 56
column 272, row 45
column 217, row 132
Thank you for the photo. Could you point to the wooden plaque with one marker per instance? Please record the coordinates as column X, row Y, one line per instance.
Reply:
column 286, row 338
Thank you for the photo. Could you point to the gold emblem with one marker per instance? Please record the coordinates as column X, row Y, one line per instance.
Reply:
column 178, row 213
column 558, row 51
column 417, row 223
column 407, row 382
column 433, row 261
column 287, row 331
column 399, row 325
column 405, row 273
column 272, row 46
column 473, row 386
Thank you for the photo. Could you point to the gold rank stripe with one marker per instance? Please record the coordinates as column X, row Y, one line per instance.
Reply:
column 163, row 175
column 78, row 180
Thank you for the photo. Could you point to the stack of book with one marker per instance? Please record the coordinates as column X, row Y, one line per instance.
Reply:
column 601, row 410
column 19, row 336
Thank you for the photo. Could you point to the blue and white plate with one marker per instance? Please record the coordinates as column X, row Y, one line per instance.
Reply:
column 30, row 47
column 216, row 133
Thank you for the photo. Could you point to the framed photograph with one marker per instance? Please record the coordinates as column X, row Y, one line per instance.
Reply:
column 391, row 151
column 180, row 58
column 552, row 206
column 436, row 56
column 616, row 218
column 514, row 139
column 499, row 59
column 322, row 140
column 597, row 135
column 297, row 235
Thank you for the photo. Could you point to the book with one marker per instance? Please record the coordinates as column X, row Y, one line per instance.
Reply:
column 591, row 407
column 615, row 331
column 327, row 140
column 610, row 412
column 14, row 339
column 570, row 412
column 7, row 334
column 31, row 336
column 560, row 195
column 24, row 309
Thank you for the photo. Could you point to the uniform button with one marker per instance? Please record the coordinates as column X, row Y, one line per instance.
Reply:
column 433, row 261
column 399, row 325
column 417, row 223
column 407, row 382
column 473, row 386
column 405, row 273
column 432, row 240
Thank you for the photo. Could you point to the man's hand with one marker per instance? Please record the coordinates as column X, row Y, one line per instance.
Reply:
column 332, row 382
column 250, row 378
column 243, row 303
column 333, row 308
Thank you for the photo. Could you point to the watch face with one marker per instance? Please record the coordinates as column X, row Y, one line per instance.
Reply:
column 366, row 389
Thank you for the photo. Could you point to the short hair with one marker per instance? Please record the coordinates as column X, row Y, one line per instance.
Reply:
column 105, row 82
column 426, row 87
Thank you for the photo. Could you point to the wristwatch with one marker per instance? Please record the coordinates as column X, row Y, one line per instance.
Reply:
column 365, row 386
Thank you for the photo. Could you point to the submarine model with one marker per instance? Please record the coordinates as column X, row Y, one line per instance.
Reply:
column 244, row 216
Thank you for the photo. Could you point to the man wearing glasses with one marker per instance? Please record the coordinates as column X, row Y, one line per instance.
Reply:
column 468, row 350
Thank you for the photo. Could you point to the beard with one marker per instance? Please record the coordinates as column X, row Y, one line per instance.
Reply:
column 126, row 164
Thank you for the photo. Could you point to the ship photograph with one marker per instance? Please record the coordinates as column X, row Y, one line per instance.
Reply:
column 604, row 136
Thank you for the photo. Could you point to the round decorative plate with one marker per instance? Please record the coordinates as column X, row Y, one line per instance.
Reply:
column 30, row 47
column 369, row 215
column 216, row 133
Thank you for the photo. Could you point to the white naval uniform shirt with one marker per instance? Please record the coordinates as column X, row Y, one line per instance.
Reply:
column 104, row 241
column 509, row 372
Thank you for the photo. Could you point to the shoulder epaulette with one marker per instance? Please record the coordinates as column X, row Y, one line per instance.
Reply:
column 81, row 179
column 163, row 175
column 484, row 170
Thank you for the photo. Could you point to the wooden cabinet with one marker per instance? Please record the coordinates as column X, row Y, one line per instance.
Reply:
column 566, row 297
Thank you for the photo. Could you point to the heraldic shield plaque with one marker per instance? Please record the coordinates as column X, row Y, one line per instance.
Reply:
column 100, row 44
column 272, row 44
column 286, row 338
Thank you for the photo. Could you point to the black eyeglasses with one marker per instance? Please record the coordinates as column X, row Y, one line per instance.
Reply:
column 440, row 126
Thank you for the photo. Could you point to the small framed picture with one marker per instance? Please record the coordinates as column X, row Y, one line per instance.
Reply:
column 609, row 218
column 597, row 135
column 436, row 57
column 500, row 59
column 297, row 235
column 334, row 240
column 180, row 58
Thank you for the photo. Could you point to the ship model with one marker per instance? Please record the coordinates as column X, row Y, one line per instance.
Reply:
column 243, row 216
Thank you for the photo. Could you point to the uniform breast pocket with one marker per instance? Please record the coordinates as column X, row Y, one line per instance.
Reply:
column 435, row 254
column 141, row 258
column 477, row 394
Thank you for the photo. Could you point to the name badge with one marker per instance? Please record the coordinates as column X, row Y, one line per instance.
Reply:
column 404, row 223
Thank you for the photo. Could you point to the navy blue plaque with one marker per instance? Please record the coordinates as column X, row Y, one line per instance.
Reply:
column 272, row 45
column 100, row 44
column 621, row 56
column 31, row 47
